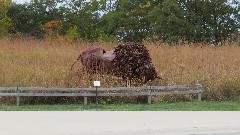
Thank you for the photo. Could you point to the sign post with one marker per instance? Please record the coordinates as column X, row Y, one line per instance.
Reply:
column 96, row 84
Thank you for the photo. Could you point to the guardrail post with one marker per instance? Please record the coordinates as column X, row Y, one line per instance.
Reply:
column 200, row 96
column 199, row 87
column 18, row 98
column 150, row 96
column 85, row 100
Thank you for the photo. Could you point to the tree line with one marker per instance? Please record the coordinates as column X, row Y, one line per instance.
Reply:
column 169, row 21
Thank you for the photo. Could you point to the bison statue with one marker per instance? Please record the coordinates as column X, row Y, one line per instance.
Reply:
column 131, row 61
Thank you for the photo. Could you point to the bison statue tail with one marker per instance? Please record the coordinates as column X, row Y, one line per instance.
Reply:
column 69, row 76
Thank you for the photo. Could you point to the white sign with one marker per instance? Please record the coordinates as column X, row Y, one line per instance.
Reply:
column 96, row 83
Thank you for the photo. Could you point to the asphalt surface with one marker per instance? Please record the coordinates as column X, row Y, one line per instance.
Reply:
column 119, row 123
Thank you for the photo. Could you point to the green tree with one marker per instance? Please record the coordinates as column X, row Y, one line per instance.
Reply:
column 30, row 18
column 128, row 20
column 193, row 20
column 4, row 4
column 219, row 18
column 72, row 33
column 167, row 20
column 22, row 19
column 5, row 27
column 5, row 22
column 85, row 16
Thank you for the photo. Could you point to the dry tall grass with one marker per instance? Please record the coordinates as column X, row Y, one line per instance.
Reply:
column 47, row 64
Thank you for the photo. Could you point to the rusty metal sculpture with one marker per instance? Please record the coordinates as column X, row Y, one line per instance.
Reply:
column 129, row 61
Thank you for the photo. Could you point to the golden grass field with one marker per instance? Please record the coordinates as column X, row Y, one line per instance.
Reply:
column 45, row 63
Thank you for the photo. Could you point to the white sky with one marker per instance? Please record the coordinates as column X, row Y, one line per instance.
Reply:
column 21, row 1
column 24, row 1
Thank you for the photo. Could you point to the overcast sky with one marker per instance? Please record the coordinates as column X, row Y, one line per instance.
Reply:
column 21, row 1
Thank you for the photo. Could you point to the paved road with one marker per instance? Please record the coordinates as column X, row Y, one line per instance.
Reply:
column 119, row 123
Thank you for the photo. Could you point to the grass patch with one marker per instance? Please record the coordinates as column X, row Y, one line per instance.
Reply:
column 161, row 106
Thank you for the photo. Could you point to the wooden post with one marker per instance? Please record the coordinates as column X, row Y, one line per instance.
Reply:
column 199, row 87
column 150, row 96
column 85, row 100
column 149, row 99
column 18, row 101
column 200, row 96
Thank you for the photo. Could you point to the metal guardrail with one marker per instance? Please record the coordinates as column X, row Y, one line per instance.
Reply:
column 91, row 92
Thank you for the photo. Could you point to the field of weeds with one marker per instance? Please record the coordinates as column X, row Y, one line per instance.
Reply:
column 34, row 63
